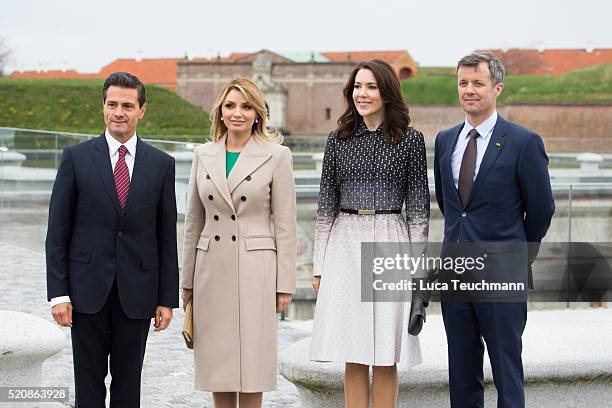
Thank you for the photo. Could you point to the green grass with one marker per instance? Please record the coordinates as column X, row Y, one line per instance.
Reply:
column 76, row 106
column 587, row 86
column 436, row 71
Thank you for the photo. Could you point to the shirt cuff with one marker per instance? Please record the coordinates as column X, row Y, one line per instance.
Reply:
column 59, row 299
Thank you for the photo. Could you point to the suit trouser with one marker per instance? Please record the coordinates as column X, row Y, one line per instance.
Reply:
column 501, row 325
column 94, row 338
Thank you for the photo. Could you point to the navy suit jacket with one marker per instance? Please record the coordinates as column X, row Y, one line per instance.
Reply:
column 91, row 242
column 511, row 199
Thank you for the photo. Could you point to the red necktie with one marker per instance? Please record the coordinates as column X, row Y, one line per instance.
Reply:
column 122, row 177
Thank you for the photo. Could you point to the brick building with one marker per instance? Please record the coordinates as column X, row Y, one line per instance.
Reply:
column 550, row 62
column 303, row 90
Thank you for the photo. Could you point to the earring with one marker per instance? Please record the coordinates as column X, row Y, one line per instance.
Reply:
column 221, row 119
column 256, row 120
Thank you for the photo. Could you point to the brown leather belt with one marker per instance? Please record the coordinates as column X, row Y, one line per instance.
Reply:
column 369, row 212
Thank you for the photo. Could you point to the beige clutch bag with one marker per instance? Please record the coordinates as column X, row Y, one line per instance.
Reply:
column 188, row 326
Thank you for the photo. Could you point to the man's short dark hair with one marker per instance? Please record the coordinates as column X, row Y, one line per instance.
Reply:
column 496, row 68
column 125, row 80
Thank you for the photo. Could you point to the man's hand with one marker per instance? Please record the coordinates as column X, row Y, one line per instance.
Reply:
column 187, row 297
column 62, row 314
column 163, row 315
column 316, row 282
column 282, row 301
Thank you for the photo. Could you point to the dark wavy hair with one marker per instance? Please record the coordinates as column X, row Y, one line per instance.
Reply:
column 397, row 117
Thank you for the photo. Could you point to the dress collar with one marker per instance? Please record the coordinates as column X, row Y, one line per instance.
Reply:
column 362, row 129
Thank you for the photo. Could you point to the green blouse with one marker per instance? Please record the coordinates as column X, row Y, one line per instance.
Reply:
column 230, row 160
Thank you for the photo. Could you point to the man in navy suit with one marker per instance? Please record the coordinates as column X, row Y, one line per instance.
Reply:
column 111, row 248
column 492, row 186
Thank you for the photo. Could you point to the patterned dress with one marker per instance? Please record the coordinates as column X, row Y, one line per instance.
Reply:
column 363, row 172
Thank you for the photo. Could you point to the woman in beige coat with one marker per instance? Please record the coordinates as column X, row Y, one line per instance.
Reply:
column 239, row 253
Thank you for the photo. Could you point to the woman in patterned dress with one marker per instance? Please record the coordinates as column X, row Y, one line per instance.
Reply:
column 373, row 161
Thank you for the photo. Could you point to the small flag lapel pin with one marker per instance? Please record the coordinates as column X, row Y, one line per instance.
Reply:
column 497, row 144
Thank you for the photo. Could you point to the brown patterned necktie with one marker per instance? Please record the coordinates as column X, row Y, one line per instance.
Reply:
column 468, row 167
column 122, row 177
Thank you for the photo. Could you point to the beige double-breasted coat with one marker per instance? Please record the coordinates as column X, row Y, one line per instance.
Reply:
column 239, row 251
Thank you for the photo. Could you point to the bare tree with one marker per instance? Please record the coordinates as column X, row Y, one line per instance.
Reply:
column 4, row 55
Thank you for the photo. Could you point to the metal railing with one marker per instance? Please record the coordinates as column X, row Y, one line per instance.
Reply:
column 39, row 152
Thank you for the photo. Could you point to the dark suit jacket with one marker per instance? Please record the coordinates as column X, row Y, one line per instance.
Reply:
column 511, row 200
column 91, row 242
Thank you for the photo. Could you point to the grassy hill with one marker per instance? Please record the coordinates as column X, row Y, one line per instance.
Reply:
column 76, row 106
column 588, row 86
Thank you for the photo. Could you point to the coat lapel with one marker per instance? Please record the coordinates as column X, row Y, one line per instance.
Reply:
column 253, row 155
column 141, row 164
column 214, row 162
column 451, row 148
column 101, row 159
column 494, row 148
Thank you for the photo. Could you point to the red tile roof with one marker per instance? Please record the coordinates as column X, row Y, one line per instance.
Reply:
column 550, row 62
column 52, row 74
column 161, row 71
column 389, row 56
column 400, row 60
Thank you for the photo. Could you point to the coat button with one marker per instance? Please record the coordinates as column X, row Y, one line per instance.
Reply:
column 207, row 177
column 464, row 214
column 233, row 237
column 210, row 197
column 114, row 260
column 233, row 217
column 119, row 233
column 248, row 178
column 243, row 198
column 217, row 238
column 216, row 217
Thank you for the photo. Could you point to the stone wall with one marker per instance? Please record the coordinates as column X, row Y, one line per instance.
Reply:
column 563, row 128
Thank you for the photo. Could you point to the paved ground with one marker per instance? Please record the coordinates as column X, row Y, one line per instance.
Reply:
column 168, row 365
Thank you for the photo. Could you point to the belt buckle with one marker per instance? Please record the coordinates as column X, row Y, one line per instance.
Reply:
column 366, row 212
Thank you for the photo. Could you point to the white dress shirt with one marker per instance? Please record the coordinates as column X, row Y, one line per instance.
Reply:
column 485, row 130
column 113, row 151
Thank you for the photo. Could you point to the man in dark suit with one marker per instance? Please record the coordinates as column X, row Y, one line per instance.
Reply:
column 492, row 186
column 111, row 248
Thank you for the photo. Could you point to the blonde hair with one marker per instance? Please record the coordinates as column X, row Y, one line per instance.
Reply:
column 254, row 97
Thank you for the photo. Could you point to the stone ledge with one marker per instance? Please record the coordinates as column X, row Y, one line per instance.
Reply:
column 567, row 360
column 26, row 341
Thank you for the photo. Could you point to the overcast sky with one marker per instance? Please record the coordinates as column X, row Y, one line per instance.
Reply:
column 87, row 34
